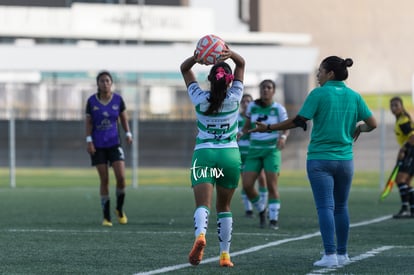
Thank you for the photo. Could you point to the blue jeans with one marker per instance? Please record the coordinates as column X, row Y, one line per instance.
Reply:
column 331, row 182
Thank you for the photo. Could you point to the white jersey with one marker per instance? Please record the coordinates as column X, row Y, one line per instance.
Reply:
column 272, row 114
column 244, row 141
column 218, row 130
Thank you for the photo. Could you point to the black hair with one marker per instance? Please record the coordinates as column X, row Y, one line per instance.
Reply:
column 338, row 65
column 259, row 101
column 268, row 81
column 399, row 99
column 103, row 73
column 218, row 88
column 247, row 95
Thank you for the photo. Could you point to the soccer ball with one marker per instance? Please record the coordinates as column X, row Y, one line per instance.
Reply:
column 209, row 49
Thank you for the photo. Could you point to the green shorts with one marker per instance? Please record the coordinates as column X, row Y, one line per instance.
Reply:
column 216, row 166
column 269, row 160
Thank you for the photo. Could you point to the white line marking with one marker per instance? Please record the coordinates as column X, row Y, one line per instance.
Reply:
column 361, row 257
column 256, row 248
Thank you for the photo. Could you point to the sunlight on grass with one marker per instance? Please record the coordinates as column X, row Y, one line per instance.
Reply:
column 377, row 101
column 79, row 177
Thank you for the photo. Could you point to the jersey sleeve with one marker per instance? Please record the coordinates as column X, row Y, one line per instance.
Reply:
column 195, row 93
column 88, row 109
column 363, row 111
column 406, row 126
column 310, row 105
column 283, row 113
column 122, row 106
column 236, row 90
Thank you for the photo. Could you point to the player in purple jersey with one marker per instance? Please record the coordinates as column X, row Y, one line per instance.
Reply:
column 103, row 109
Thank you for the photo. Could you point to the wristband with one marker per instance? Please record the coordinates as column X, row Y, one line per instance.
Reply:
column 128, row 134
column 268, row 128
column 88, row 139
column 283, row 137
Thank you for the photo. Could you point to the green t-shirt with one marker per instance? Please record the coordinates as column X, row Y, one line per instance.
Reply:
column 335, row 110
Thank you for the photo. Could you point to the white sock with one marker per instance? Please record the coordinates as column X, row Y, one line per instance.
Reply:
column 201, row 220
column 247, row 204
column 263, row 196
column 274, row 211
column 258, row 204
column 224, row 230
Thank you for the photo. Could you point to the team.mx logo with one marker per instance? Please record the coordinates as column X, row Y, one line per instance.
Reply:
column 199, row 172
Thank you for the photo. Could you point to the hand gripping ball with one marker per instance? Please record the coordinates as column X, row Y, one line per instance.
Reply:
column 209, row 49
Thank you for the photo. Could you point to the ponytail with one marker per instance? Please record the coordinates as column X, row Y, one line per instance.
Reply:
column 220, row 78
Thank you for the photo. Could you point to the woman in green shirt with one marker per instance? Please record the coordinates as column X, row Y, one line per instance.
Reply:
column 336, row 111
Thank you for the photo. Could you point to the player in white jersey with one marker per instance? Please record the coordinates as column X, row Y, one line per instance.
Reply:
column 244, row 143
column 216, row 157
column 264, row 151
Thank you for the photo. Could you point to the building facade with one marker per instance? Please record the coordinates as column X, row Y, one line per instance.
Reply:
column 376, row 34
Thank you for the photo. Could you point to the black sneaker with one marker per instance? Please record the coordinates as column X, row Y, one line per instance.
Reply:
column 262, row 216
column 249, row 214
column 404, row 213
column 273, row 225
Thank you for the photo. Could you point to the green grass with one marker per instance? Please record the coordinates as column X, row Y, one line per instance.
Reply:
column 50, row 224
column 378, row 101
column 73, row 177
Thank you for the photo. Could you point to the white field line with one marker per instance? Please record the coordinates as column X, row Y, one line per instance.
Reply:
column 360, row 257
column 256, row 248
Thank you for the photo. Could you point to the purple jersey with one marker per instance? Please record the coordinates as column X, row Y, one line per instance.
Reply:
column 105, row 120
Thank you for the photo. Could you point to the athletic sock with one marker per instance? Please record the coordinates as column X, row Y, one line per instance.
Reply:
column 258, row 204
column 404, row 195
column 411, row 200
column 105, row 203
column 247, row 204
column 224, row 230
column 120, row 198
column 263, row 193
column 201, row 220
column 274, row 206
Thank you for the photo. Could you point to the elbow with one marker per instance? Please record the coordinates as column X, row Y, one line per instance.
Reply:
column 241, row 63
column 182, row 68
column 373, row 125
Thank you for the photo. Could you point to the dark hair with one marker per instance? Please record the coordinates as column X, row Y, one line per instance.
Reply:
column 218, row 88
column 247, row 95
column 399, row 99
column 101, row 74
column 259, row 101
column 268, row 81
column 338, row 66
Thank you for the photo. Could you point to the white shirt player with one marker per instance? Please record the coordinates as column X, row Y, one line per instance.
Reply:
column 272, row 114
column 219, row 130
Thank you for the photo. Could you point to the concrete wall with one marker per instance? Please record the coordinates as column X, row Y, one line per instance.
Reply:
column 377, row 34
column 62, row 144
column 170, row 144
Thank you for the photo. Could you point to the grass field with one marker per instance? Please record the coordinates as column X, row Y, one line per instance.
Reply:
column 50, row 224
column 382, row 101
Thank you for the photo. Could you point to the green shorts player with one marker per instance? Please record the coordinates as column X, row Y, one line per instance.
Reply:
column 264, row 151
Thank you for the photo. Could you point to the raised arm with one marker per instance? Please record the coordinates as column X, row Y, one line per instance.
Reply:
column 238, row 61
column 186, row 71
